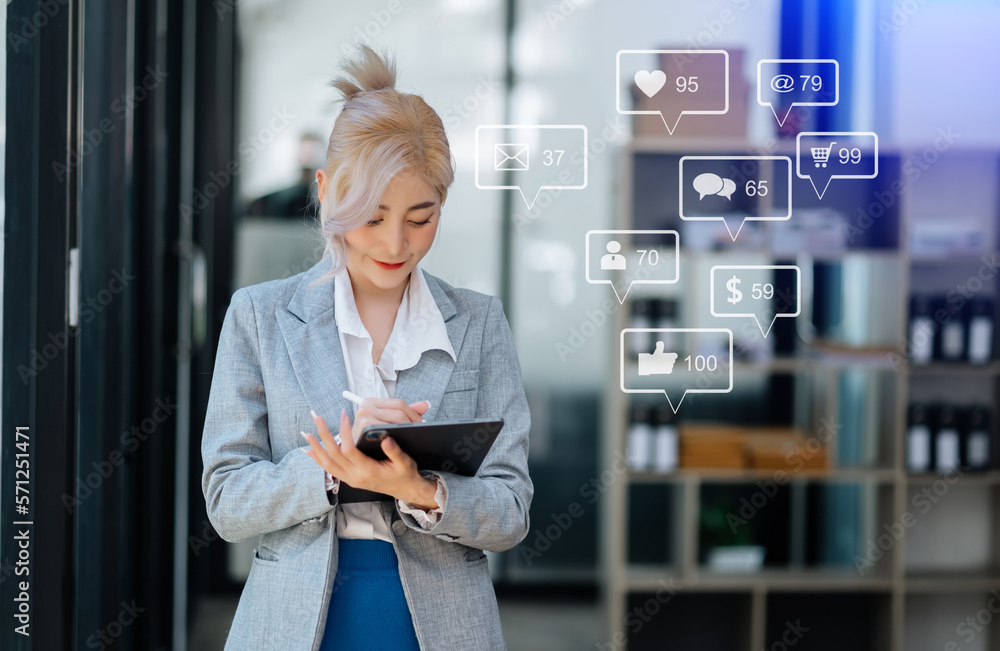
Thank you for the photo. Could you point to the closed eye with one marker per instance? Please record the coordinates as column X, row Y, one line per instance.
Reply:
column 376, row 222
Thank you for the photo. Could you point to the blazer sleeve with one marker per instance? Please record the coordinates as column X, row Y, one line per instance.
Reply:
column 246, row 492
column 490, row 511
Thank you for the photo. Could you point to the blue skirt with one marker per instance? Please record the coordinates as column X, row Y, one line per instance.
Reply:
column 367, row 607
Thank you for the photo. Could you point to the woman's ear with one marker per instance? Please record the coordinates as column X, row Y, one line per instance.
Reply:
column 321, row 180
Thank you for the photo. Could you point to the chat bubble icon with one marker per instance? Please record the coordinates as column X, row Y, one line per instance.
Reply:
column 531, row 158
column 676, row 362
column 763, row 292
column 665, row 83
column 622, row 259
column 824, row 156
column 783, row 84
column 747, row 188
column 708, row 183
column 728, row 189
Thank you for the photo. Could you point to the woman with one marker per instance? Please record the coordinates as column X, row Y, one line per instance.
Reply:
column 409, row 573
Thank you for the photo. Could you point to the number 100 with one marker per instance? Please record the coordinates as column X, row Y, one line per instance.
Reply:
column 702, row 362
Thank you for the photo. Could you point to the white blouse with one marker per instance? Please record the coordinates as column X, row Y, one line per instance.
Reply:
column 419, row 327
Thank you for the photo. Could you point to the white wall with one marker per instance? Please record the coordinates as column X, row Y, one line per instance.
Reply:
column 941, row 70
column 447, row 51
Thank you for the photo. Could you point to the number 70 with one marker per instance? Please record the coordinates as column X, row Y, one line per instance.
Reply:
column 654, row 256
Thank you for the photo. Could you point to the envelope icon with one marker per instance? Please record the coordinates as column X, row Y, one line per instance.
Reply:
column 510, row 156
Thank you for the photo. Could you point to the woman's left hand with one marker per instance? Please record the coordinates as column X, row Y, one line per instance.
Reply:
column 396, row 476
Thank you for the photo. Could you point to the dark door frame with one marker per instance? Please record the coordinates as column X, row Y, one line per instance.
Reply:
column 104, row 169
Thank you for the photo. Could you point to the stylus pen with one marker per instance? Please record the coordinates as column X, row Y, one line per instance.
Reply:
column 356, row 399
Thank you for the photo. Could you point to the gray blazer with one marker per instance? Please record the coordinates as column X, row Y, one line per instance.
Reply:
column 279, row 356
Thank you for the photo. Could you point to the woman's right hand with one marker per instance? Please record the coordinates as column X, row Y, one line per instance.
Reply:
column 396, row 475
column 381, row 411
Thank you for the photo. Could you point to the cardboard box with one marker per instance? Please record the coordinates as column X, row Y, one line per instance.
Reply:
column 712, row 446
column 786, row 449
column 709, row 445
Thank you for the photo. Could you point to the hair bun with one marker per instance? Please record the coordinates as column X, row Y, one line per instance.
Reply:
column 367, row 72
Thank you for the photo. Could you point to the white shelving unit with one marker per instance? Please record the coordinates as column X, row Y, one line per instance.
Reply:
column 895, row 605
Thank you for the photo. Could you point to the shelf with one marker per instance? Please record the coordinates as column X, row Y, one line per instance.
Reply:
column 744, row 475
column 968, row 478
column 776, row 365
column 956, row 258
column 955, row 369
column 867, row 389
column 953, row 582
column 643, row 578
column 548, row 576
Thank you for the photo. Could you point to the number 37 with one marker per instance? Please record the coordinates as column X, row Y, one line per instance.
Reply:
column 552, row 156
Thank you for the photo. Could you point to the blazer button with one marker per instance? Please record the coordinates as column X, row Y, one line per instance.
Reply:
column 399, row 527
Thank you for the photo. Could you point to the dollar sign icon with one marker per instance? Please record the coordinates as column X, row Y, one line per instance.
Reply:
column 732, row 285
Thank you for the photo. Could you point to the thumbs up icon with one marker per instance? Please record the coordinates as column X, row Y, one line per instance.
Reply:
column 657, row 362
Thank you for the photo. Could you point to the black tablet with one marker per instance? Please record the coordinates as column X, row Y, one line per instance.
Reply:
column 455, row 446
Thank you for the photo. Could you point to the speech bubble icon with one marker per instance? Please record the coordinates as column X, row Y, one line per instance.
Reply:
column 764, row 292
column 754, row 188
column 673, row 87
column 531, row 158
column 708, row 183
column 728, row 188
column 783, row 84
column 824, row 156
column 676, row 361
column 622, row 259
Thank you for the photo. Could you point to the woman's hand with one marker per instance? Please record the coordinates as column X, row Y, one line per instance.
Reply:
column 397, row 475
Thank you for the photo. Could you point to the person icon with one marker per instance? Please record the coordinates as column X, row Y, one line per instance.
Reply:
column 612, row 260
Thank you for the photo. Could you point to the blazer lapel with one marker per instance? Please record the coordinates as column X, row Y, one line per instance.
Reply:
column 312, row 338
column 429, row 378
column 309, row 328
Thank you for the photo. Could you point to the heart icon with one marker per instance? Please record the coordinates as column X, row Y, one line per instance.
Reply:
column 650, row 82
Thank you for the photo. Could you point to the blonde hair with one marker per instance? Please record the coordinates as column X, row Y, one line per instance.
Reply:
column 379, row 133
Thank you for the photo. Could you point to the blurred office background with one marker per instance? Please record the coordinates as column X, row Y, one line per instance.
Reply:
column 193, row 130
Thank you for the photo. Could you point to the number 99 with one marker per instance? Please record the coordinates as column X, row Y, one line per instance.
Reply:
column 852, row 156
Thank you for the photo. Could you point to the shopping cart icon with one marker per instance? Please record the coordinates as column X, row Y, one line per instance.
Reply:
column 822, row 154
